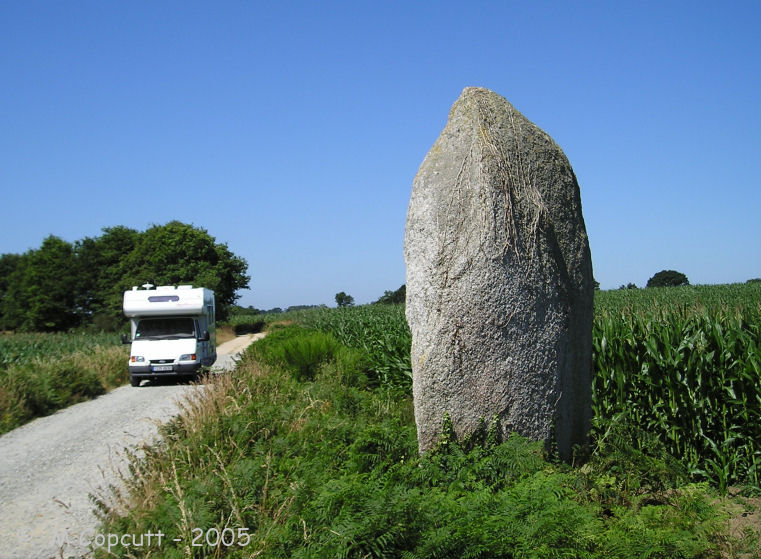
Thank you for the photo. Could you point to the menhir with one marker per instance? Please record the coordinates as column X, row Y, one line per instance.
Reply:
column 499, row 281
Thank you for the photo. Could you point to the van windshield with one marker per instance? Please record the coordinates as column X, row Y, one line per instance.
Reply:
column 162, row 328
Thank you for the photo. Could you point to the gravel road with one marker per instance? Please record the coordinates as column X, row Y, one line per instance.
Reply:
column 49, row 467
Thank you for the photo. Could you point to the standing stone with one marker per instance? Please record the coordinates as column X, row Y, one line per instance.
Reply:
column 499, row 281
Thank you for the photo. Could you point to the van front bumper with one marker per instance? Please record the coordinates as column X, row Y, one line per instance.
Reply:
column 166, row 369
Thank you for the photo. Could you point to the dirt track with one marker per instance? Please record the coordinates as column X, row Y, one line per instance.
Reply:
column 49, row 466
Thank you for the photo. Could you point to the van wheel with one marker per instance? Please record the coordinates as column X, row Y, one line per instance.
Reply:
column 135, row 381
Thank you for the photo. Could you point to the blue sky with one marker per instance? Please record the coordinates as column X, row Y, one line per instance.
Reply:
column 292, row 131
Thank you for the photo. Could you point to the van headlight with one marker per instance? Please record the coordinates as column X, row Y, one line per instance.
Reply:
column 188, row 357
column 137, row 359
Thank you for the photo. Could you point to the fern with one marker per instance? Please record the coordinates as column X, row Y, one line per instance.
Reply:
column 325, row 469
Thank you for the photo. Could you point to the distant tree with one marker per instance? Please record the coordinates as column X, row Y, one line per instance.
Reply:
column 668, row 278
column 41, row 293
column 597, row 285
column 244, row 311
column 300, row 307
column 344, row 300
column 8, row 264
column 100, row 271
column 754, row 280
column 12, row 269
column 393, row 297
column 628, row 286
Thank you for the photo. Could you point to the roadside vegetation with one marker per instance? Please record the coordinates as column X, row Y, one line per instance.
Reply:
column 41, row 373
column 309, row 449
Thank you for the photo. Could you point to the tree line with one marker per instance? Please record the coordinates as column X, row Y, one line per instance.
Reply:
column 63, row 285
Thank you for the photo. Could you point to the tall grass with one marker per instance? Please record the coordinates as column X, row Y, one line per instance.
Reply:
column 42, row 373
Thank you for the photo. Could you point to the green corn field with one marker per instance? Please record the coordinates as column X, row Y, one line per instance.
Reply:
column 24, row 347
column 680, row 364
column 684, row 364
column 43, row 372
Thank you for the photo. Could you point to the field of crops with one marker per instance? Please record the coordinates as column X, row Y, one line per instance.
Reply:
column 682, row 365
column 24, row 347
column 685, row 364
column 41, row 373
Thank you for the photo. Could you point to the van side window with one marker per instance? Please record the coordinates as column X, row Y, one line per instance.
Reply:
column 163, row 298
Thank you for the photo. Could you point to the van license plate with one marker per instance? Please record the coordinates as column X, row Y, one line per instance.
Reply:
column 160, row 368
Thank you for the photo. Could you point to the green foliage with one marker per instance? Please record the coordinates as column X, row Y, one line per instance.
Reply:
column 26, row 347
column 61, row 286
column 686, row 368
column 668, row 278
column 393, row 297
column 380, row 331
column 681, row 363
column 633, row 461
column 101, row 269
column 303, row 353
column 238, row 311
column 344, row 300
column 40, row 291
column 324, row 469
column 177, row 253
column 42, row 373
column 12, row 267
column 248, row 327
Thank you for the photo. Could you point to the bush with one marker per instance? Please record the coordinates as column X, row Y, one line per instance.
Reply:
column 249, row 327
column 301, row 352
column 668, row 278
column 304, row 354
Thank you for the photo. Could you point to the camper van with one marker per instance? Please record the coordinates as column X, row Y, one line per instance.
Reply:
column 172, row 331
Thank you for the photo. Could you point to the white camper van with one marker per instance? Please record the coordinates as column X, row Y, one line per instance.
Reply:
column 172, row 331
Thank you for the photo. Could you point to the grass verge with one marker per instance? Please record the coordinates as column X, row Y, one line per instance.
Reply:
column 276, row 462
column 41, row 385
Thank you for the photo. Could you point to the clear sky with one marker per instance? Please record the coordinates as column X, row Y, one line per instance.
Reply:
column 292, row 131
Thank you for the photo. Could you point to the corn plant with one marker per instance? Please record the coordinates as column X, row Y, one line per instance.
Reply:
column 685, row 365
column 24, row 347
column 380, row 331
